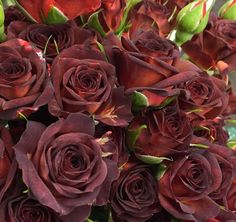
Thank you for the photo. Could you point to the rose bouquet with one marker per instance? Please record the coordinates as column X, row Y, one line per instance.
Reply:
column 117, row 110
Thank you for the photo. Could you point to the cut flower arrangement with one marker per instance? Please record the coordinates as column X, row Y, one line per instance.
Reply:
column 117, row 111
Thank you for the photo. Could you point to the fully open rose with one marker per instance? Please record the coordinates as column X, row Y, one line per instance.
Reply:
column 85, row 82
column 24, row 82
column 51, row 39
column 134, row 195
column 163, row 132
column 64, row 163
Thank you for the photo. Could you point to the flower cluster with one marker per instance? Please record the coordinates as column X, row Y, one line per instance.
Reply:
column 104, row 118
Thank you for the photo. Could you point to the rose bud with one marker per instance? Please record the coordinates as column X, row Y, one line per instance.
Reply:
column 228, row 10
column 25, row 84
column 57, row 11
column 192, row 19
column 2, row 18
column 51, row 39
column 111, row 14
column 134, row 195
column 160, row 133
column 85, row 82
column 186, row 185
column 25, row 208
column 65, row 163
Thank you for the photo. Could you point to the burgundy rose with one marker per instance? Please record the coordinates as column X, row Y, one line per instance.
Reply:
column 7, row 163
column 51, row 39
column 137, row 63
column 213, row 130
column 149, row 15
column 216, row 44
column 63, row 166
column 24, row 208
column 186, row 185
column 13, row 14
column 85, row 82
column 134, row 194
column 25, row 85
column 151, row 44
column 112, row 13
column 231, row 197
column 160, row 133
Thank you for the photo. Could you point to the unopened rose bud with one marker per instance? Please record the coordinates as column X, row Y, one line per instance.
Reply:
column 192, row 19
column 2, row 18
column 228, row 10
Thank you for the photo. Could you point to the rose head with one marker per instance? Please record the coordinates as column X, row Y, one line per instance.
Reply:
column 51, row 39
column 23, row 208
column 205, row 97
column 63, row 166
column 24, row 82
column 185, row 187
column 134, row 194
column 217, row 43
column 85, row 82
column 150, row 15
column 143, row 61
column 160, row 133
column 212, row 130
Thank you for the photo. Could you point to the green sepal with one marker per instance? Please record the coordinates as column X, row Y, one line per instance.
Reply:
column 2, row 18
column 160, row 171
column 139, row 101
column 132, row 136
column 55, row 16
column 94, row 22
column 151, row 159
column 228, row 11
column 199, row 145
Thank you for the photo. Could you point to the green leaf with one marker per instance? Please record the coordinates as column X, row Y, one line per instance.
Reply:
column 55, row 16
column 167, row 101
column 231, row 144
column 161, row 169
column 139, row 101
column 152, row 159
column 132, row 136
column 94, row 22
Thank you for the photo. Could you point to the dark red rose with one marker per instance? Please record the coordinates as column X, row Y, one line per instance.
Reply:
column 227, row 162
column 151, row 44
column 7, row 163
column 149, row 15
column 39, row 9
column 215, row 47
column 13, row 14
column 85, row 82
column 134, row 194
column 24, row 208
column 25, row 84
column 51, row 39
column 137, row 64
column 213, row 130
column 185, row 186
column 231, row 197
column 63, row 166
column 112, row 14
column 162, row 132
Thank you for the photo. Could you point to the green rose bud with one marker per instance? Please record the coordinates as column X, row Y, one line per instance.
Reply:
column 2, row 17
column 192, row 19
column 228, row 10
